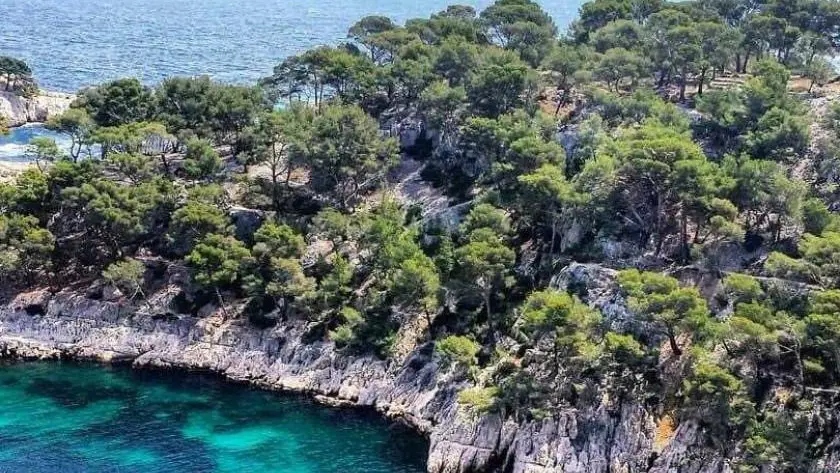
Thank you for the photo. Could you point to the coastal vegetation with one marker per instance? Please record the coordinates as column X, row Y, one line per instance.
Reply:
column 659, row 140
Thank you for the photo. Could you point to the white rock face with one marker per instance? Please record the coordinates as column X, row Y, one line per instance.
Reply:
column 20, row 110
column 617, row 436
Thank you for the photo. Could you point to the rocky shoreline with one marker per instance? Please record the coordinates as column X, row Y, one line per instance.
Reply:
column 21, row 110
column 613, row 437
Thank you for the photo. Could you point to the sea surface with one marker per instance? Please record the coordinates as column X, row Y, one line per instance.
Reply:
column 78, row 418
column 75, row 43
column 71, row 44
column 13, row 145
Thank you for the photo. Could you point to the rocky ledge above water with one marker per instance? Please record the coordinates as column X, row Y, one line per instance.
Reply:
column 613, row 437
column 21, row 110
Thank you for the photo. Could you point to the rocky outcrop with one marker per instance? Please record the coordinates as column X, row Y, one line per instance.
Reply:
column 21, row 110
column 613, row 436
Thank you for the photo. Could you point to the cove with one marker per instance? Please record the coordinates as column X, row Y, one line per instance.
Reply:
column 73, row 418
column 13, row 145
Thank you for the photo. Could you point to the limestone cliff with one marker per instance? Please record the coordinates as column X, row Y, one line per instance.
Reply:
column 21, row 110
column 611, row 437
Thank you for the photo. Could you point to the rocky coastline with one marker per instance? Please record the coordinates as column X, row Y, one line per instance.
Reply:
column 21, row 110
column 614, row 436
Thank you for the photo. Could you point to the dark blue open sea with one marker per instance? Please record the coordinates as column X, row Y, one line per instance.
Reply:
column 73, row 43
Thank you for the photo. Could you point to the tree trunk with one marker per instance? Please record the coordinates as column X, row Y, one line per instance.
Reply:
column 686, row 253
column 489, row 313
column 672, row 340
column 222, row 303
column 275, row 197
column 165, row 163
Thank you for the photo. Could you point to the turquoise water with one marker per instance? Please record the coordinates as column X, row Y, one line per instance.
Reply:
column 13, row 145
column 73, row 43
column 75, row 418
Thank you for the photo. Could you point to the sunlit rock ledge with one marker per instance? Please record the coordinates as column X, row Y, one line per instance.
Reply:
column 21, row 110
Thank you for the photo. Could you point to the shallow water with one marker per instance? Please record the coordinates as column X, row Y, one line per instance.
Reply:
column 13, row 145
column 74, row 418
column 74, row 43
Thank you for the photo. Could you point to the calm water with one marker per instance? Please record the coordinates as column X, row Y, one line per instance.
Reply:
column 73, row 43
column 13, row 145
column 72, row 418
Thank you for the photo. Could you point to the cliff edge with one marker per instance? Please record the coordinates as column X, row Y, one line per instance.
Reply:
column 612, row 436
column 21, row 110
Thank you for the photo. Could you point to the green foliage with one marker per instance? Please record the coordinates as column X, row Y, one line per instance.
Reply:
column 717, row 398
column 816, row 217
column 565, row 63
column 779, row 440
column 136, row 168
column 627, row 171
column 486, row 216
column 17, row 76
column 618, row 66
column 193, row 221
column 201, row 161
column 545, row 195
column 116, row 215
column 458, row 349
column 521, row 26
column 416, row 283
column 569, row 322
column 43, row 150
column 25, row 246
column 116, row 103
column 479, row 400
column 485, row 265
column 334, row 289
column 659, row 181
column 672, row 311
column 779, row 135
column 622, row 351
column 278, row 240
column 822, row 252
column 183, row 104
column 762, row 188
column 77, row 124
column 346, row 154
column 350, row 318
column 127, row 276
column 218, row 262
column 742, row 288
column 822, row 328
column 278, row 273
column 442, row 105
column 502, row 83
column 785, row 267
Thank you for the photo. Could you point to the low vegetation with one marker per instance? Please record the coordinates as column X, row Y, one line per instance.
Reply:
column 687, row 151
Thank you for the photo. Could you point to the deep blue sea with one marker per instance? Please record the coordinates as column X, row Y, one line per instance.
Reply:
column 74, row 43
column 71, row 44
